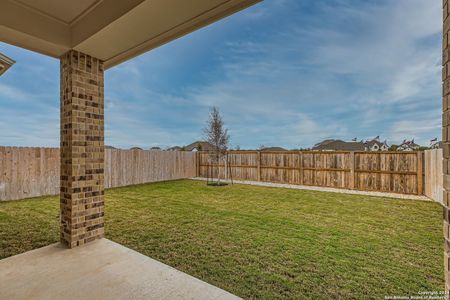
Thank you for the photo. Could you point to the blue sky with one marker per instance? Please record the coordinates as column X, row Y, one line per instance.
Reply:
column 283, row 73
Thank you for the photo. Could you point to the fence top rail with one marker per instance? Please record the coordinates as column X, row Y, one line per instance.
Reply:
column 245, row 151
column 147, row 150
column 316, row 152
column 19, row 147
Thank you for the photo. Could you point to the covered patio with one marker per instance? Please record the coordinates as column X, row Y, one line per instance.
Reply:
column 99, row 270
column 88, row 37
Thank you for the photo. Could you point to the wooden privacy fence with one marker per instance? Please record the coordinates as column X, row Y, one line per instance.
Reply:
column 434, row 179
column 127, row 167
column 28, row 172
column 31, row 172
column 396, row 172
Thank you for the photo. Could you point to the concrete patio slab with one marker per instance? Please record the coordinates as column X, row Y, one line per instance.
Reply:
column 99, row 270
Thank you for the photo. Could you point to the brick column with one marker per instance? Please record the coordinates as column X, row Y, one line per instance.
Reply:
column 446, row 138
column 82, row 149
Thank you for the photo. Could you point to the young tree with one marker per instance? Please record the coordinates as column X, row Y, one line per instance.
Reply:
column 217, row 136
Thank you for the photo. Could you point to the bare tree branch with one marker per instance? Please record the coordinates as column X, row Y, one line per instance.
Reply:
column 216, row 135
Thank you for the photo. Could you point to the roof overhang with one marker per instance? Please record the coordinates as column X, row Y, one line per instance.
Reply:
column 111, row 30
column 5, row 63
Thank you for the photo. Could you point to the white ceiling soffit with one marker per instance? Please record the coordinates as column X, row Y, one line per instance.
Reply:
column 111, row 30
column 64, row 11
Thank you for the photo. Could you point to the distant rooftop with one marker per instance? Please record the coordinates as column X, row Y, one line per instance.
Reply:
column 273, row 149
column 339, row 145
column 200, row 146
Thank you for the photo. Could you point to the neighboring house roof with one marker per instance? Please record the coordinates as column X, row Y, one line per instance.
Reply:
column 377, row 142
column 400, row 148
column 204, row 146
column 273, row 149
column 405, row 146
column 175, row 148
column 437, row 145
column 372, row 143
column 5, row 63
column 110, row 147
column 339, row 145
column 324, row 142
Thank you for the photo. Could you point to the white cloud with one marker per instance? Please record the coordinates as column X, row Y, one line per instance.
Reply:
column 11, row 92
column 415, row 129
column 347, row 80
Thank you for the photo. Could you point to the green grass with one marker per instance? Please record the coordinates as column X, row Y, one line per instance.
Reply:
column 258, row 242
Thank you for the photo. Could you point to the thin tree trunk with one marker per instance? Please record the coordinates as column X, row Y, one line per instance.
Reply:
column 218, row 172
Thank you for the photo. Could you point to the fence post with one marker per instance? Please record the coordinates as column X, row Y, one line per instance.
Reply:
column 352, row 170
column 259, row 166
column 419, row 173
column 197, row 164
column 226, row 166
column 313, row 168
column 300, row 153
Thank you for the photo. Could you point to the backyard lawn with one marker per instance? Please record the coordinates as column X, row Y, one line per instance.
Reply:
column 260, row 242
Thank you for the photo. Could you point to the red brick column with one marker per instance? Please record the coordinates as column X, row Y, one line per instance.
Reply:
column 82, row 149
